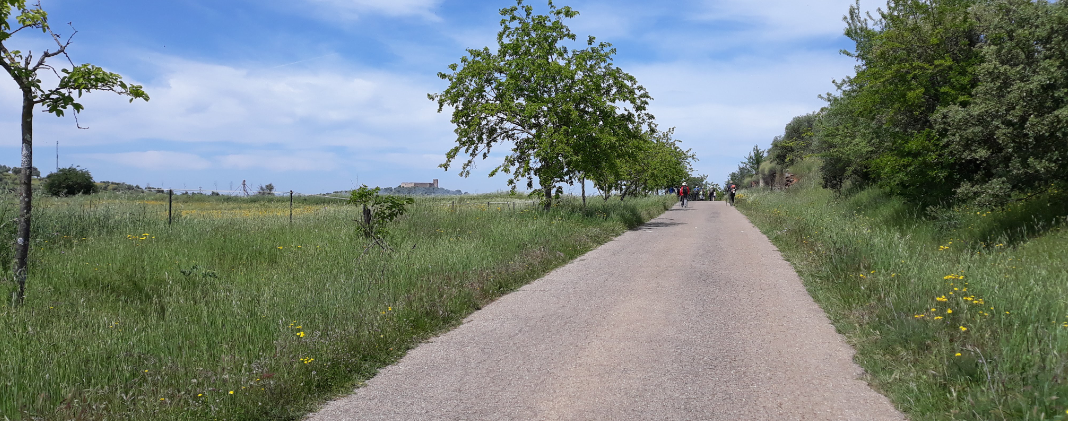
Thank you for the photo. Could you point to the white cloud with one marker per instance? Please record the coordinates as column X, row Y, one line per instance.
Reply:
column 150, row 160
column 277, row 161
column 326, row 119
column 280, row 161
column 722, row 108
column 353, row 9
column 203, row 102
column 782, row 18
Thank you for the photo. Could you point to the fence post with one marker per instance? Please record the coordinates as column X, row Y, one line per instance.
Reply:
column 291, row 206
column 170, row 201
column 367, row 221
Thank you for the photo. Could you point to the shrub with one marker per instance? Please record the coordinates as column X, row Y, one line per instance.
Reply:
column 70, row 181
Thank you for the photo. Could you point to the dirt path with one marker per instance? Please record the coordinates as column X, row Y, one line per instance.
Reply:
column 694, row 316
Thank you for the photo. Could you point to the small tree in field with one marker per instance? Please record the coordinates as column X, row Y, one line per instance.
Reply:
column 25, row 70
column 70, row 181
column 267, row 190
column 378, row 211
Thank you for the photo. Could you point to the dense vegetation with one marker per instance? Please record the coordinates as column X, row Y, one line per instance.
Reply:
column 960, row 317
column 69, row 181
column 953, row 102
column 929, row 219
column 234, row 313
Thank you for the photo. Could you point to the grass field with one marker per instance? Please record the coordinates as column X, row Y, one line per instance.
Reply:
column 233, row 312
column 960, row 314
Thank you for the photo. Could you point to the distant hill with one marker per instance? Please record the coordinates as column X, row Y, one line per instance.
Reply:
column 421, row 191
column 118, row 186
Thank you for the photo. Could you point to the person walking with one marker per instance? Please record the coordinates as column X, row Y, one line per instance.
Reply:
column 732, row 191
column 712, row 195
column 684, row 193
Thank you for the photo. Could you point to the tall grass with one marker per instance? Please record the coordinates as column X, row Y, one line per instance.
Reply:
column 232, row 312
column 955, row 314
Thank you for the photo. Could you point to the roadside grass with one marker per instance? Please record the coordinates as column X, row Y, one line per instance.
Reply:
column 963, row 315
column 234, row 313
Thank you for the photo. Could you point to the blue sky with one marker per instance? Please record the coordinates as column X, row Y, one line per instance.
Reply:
column 323, row 95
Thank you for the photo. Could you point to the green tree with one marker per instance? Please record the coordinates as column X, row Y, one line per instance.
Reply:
column 796, row 142
column 658, row 163
column 267, row 190
column 1010, row 138
column 566, row 112
column 34, row 172
column 24, row 69
column 914, row 58
column 69, row 181
column 755, row 158
column 378, row 212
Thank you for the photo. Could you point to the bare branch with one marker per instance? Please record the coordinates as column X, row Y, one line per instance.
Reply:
column 72, row 28
column 47, row 55
column 62, row 49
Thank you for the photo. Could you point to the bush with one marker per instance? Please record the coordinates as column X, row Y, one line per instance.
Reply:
column 70, row 182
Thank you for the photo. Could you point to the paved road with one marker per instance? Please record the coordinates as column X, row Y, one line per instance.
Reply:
column 694, row 316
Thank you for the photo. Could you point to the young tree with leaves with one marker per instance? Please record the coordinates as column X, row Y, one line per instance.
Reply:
column 378, row 211
column 25, row 70
column 566, row 112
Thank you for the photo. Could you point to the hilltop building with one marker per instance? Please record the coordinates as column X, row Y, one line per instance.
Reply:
column 409, row 184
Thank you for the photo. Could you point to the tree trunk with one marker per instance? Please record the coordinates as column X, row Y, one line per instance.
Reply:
column 583, row 192
column 22, row 239
column 367, row 231
column 548, row 196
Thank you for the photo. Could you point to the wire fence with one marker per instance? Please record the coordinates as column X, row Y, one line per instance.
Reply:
column 172, row 206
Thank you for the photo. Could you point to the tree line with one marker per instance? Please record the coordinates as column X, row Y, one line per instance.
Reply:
column 567, row 114
column 953, row 101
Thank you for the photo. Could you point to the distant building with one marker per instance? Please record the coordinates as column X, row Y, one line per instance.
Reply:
column 434, row 184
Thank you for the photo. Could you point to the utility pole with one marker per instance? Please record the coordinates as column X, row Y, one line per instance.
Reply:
column 57, row 156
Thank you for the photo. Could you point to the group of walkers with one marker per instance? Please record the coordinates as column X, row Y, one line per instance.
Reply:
column 685, row 193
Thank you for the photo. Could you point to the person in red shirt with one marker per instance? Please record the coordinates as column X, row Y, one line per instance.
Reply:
column 684, row 193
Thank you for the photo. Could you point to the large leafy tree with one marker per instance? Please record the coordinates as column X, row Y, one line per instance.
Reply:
column 26, row 70
column 914, row 58
column 796, row 141
column 70, row 181
column 564, row 111
column 1011, row 137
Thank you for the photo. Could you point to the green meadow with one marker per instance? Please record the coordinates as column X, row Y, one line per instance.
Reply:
column 234, row 312
column 956, row 314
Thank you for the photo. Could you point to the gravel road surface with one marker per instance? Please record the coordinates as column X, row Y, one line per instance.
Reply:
column 693, row 316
